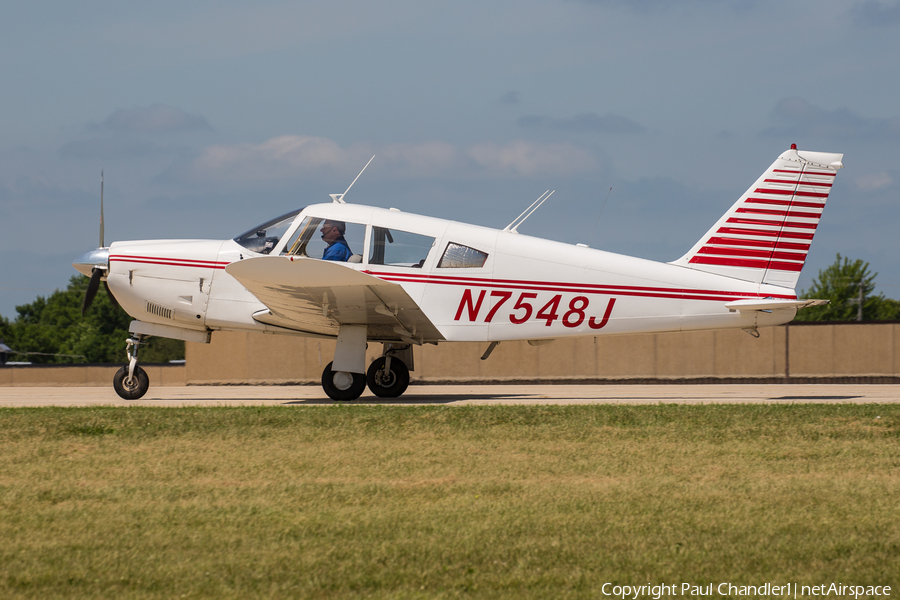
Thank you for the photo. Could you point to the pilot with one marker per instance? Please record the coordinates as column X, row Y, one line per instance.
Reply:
column 333, row 234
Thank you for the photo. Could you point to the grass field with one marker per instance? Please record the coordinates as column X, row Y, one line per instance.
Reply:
column 444, row 502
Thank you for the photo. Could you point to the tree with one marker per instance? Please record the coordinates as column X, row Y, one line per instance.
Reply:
column 52, row 330
column 841, row 284
column 888, row 310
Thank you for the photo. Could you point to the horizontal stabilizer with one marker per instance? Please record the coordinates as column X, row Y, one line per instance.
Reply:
column 771, row 304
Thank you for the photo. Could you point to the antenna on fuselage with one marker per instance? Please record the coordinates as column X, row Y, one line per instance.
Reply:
column 339, row 198
column 598, row 216
column 530, row 210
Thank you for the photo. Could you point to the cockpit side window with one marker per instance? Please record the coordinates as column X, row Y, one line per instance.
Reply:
column 264, row 238
column 309, row 240
column 457, row 256
column 399, row 248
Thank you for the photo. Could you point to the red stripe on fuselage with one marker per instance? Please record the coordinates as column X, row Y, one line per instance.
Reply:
column 581, row 288
column 546, row 286
column 174, row 262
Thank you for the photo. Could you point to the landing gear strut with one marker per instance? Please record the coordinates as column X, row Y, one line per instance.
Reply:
column 131, row 382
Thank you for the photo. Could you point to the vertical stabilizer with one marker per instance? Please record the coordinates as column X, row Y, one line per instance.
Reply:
column 765, row 236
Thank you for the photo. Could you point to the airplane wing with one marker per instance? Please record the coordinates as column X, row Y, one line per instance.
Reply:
column 316, row 296
column 770, row 304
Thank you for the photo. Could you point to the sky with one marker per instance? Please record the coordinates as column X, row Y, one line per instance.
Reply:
column 208, row 118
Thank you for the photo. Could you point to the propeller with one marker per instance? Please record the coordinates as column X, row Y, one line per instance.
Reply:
column 112, row 299
column 91, row 291
column 95, row 264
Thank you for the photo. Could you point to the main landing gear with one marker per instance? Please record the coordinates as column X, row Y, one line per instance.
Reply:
column 342, row 385
column 131, row 382
column 387, row 376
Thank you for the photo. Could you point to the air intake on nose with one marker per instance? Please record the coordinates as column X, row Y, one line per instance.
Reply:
column 159, row 311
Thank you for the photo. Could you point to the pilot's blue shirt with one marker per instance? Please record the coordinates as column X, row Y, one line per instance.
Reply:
column 338, row 250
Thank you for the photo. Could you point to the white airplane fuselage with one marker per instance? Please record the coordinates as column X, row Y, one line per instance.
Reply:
column 528, row 288
column 373, row 274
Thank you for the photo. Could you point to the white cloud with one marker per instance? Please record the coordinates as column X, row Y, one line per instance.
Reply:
column 288, row 156
column 278, row 158
column 527, row 158
column 428, row 158
column 874, row 181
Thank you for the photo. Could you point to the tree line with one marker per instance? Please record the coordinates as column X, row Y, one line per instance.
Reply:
column 52, row 331
column 844, row 283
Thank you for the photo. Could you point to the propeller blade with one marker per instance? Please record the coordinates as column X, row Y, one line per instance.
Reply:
column 109, row 293
column 93, row 284
column 102, row 245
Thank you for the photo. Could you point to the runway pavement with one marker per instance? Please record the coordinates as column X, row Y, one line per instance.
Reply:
column 460, row 395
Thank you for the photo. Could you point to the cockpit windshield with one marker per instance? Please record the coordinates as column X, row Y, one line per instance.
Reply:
column 264, row 238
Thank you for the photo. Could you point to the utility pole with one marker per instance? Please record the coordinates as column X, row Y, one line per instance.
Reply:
column 859, row 312
column 859, row 301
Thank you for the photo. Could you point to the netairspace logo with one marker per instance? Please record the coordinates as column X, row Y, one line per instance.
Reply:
column 786, row 590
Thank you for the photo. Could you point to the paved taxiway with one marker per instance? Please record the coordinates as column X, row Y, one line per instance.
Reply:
column 459, row 395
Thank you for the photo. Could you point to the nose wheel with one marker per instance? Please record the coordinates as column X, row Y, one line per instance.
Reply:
column 131, row 382
column 133, row 387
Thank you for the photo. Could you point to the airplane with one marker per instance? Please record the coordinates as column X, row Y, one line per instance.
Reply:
column 406, row 280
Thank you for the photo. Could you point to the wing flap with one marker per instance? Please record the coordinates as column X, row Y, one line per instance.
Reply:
column 318, row 296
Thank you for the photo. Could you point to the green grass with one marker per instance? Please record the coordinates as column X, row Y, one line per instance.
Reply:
column 443, row 502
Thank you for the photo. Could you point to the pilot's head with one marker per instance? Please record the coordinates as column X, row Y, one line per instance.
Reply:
column 333, row 230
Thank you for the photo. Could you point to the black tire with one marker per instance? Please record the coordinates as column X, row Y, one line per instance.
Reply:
column 387, row 385
column 341, row 388
column 134, row 389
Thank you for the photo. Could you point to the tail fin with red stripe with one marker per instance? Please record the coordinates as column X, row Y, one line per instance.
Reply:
column 766, row 235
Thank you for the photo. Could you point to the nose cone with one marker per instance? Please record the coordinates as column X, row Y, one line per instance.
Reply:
column 98, row 257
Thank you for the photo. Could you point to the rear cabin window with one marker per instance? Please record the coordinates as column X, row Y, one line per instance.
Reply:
column 399, row 248
column 457, row 256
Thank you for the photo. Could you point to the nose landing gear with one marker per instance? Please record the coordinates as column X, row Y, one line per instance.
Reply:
column 131, row 382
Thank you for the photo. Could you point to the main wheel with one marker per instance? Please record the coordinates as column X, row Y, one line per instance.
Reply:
column 386, row 384
column 342, row 385
column 134, row 388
